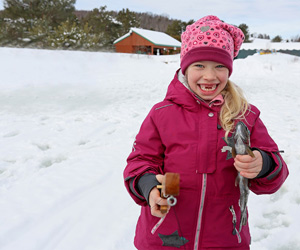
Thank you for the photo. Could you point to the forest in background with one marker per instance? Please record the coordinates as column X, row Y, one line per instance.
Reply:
column 56, row 24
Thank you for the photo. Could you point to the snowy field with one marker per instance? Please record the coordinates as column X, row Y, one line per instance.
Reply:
column 67, row 124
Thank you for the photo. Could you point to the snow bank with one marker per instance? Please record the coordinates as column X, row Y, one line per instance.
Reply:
column 68, row 120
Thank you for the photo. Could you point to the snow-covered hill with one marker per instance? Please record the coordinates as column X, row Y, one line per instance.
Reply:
column 67, row 124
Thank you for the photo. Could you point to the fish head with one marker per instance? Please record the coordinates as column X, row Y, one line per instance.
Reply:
column 241, row 133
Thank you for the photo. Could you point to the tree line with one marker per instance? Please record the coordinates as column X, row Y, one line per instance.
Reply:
column 55, row 24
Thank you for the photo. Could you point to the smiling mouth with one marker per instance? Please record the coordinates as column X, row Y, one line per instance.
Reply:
column 208, row 87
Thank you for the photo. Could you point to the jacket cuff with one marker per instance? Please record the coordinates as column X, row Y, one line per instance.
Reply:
column 268, row 164
column 146, row 183
column 135, row 191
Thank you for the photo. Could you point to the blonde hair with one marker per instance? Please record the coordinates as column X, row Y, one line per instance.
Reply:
column 235, row 104
column 235, row 107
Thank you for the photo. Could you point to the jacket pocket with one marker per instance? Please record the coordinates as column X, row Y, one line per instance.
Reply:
column 220, row 224
column 181, row 158
column 158, row 224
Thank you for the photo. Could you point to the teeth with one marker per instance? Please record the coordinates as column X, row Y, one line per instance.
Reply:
column 208, row 87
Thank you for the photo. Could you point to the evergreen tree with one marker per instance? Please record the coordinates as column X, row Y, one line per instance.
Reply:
column 27, row 22
column 177, row 27
column 277, row 39
column 37, row 34
column 104, row 25
column 187, row 23
column 69, row 35
column 263, row 36
column 128, row 20
column 98, row 19
column 53, row 12
column 245, row 29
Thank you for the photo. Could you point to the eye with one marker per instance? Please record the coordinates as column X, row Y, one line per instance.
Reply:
column 199, row 65
column 220, row 66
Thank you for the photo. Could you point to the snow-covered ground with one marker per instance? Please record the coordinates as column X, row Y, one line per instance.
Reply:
column 67, row 124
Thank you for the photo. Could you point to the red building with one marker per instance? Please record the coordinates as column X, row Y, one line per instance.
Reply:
column 149, row 42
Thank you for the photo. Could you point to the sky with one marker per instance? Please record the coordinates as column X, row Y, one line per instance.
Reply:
column 273, row 18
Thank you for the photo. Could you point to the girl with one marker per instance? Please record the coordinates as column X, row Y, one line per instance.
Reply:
column 190, row 133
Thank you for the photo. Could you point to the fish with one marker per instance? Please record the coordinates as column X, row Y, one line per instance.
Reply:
column 241, row 139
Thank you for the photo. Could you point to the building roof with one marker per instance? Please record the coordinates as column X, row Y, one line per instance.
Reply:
column 264, row 44
column 155, row 37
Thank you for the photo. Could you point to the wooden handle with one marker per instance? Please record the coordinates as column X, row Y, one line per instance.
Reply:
column 164, row 209
column 170, row 186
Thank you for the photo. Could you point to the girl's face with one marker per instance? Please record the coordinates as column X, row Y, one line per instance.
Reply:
column 207, row 78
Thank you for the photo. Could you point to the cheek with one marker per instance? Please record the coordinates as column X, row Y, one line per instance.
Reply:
column 192, row 82
column 224, row 78
column 191, row 78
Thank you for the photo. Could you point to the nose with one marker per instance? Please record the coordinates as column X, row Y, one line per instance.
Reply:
column 209, row 74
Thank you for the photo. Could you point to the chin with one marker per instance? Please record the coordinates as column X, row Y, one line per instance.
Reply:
column 206, row 97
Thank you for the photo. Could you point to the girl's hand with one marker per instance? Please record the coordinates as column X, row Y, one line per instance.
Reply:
column 155, row 201
column 247, row 166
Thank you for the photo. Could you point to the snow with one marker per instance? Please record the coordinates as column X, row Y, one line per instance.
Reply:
column 265, row 44
column 156, row 37
column 68, row 121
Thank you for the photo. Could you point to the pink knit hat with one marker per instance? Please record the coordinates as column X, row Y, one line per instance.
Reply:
column 210, row 39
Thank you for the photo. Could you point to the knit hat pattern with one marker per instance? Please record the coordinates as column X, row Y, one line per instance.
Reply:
column 210, row 39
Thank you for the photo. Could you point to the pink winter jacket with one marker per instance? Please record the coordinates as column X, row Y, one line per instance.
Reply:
column 183, row 135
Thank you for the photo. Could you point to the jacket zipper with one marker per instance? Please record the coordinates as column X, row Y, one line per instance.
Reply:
column 202, row 198
column 234, row 221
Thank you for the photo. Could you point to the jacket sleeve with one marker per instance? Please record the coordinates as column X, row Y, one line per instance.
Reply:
column 146, row 157
column 270, row 183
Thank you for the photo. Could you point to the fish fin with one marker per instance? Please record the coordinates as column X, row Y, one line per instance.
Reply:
column 237, row 179
column 233, row 152
column 250, row 152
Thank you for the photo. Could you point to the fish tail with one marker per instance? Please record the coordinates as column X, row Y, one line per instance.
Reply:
column 243, row 220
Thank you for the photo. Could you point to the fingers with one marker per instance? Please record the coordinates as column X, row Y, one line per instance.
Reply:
column 248, row 172
column 244, row 158
column 249, row 175
column 155, row 201
column 248, row 158
column 155, row 210
column 248, row 166
column 159, row 178
column 243, row 166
